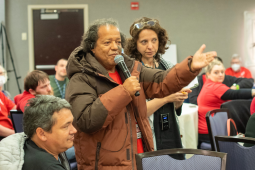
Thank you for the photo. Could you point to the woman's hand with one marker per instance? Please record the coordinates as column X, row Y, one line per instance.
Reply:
column 176, row 97
column 200, row 59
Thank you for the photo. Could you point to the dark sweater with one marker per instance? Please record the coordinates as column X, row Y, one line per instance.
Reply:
column 37, row 158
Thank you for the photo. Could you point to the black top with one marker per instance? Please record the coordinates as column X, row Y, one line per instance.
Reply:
column 39, row 159
column 228, row 81
column 237, row 94
column 170, row 138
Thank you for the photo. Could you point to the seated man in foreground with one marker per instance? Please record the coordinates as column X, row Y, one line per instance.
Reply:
column 35, row 83
column 49, row 132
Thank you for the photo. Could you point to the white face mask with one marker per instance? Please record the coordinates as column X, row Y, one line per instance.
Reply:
column 2, row 80
column 235, row 67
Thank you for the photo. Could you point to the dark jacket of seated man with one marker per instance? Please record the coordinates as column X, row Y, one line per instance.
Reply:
column 250, row 130
column 48, row 133
column 229, row 81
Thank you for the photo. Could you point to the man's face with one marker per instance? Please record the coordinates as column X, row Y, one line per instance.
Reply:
column 43, row 88
column 62, row 132
column 106, row 47
column 61, row 68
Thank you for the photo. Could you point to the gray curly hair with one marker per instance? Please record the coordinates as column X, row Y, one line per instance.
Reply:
column 90, row 38
column 39, row 113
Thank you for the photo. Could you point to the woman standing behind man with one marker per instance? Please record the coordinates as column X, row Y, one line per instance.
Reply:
column 147, row 44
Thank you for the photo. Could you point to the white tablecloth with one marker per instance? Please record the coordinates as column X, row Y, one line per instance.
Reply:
column 188, row 122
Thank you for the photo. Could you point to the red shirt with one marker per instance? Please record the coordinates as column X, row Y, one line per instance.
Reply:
column 21, row 100
column 5, row 106
column 252, row 109
column 116, row 77
column 209, row 99
column 243, row 73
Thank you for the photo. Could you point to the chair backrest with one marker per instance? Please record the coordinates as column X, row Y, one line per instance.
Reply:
column 239, row 111
column 239, row 157
column 17, row 120
column 201, row 160
column 217, row 124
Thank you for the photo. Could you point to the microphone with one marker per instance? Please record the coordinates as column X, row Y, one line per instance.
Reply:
column 119, row 60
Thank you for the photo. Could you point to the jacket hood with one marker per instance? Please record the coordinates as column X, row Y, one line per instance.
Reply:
column 81, row 62
column 12, row 152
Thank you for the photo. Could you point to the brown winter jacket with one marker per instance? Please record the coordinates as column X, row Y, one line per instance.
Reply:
column 104, row 112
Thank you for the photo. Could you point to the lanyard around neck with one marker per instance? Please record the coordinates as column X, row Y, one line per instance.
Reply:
column 62, row 93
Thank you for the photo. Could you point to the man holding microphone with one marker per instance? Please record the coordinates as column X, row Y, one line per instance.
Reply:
column 112, row 124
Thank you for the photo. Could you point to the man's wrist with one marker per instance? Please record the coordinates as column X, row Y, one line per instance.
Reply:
column 190, row 65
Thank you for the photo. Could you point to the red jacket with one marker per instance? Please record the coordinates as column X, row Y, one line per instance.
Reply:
column 21, row 100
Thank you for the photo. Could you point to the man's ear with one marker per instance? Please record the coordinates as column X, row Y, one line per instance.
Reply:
column 31, row 91
column 56, row 68
column 92, row 47
column 41, row 134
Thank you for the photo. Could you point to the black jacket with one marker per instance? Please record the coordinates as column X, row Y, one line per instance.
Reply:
column 168, row 139
column 250, row 129
column 229, row 81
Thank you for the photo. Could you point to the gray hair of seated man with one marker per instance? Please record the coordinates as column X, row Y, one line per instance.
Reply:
column 90, row 38
column 39, row 113
column 236, row 56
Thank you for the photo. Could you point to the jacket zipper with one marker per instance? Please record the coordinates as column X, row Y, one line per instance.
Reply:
column 131, row 138
column 97, row 155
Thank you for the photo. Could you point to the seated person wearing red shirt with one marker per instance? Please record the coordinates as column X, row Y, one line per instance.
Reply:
column 35, row 83
column 6, row 127
column 236, row 69
column 213, row 94
column 228, row 80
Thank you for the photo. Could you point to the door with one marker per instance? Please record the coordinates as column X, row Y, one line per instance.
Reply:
column 56, row 32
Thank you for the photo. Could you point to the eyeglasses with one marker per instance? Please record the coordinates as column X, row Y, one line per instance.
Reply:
column 140, row 25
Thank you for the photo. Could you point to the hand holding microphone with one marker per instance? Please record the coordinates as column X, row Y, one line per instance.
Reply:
column 131, row 83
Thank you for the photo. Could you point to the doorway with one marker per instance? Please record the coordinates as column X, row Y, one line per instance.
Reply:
column 54, row 32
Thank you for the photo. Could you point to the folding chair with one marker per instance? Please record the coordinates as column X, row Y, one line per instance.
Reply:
column 201, row 160
column 239, row 157
column 17, row 120
column 217, row 124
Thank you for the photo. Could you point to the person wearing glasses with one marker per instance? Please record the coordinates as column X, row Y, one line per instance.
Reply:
column 147, row 44
column 112, row 123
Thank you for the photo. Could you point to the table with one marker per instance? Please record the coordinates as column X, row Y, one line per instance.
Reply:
column 188, row 122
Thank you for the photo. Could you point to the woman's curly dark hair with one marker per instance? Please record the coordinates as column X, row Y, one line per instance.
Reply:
column 131, row 44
